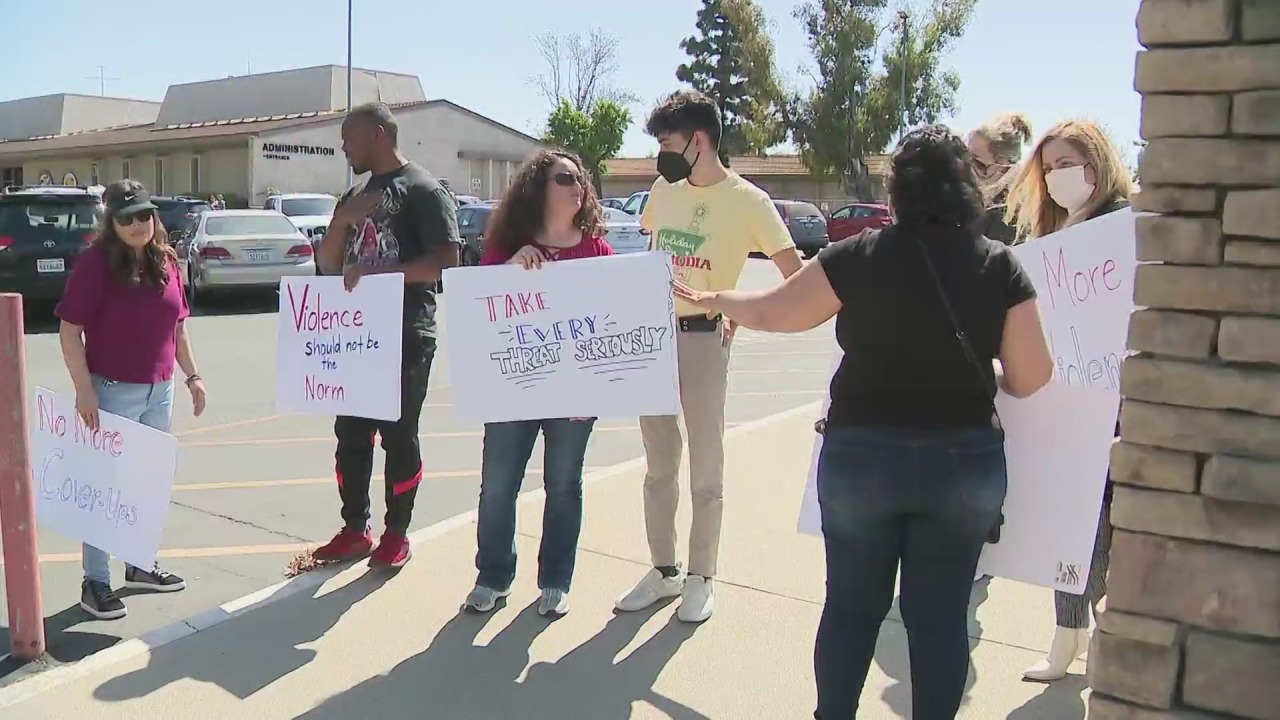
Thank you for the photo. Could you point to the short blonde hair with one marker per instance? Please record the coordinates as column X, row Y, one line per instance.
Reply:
column 1005, row 134
column 1032, row 212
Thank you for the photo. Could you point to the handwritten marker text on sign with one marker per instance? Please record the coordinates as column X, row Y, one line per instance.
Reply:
column 1080, row 284
column 515, row 305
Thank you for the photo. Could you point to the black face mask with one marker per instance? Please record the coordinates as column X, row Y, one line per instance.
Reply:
column 672, row 165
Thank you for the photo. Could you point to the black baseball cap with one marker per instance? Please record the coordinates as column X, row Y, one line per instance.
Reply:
column 126, row 198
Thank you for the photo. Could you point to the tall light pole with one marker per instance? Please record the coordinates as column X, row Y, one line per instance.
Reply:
column 350, row 3
column 904, row 18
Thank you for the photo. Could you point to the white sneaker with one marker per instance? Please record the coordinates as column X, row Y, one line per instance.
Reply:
column 697, row 601
column 651, row 589
column 483, row 599
column 1068, row 644
column 553, row 603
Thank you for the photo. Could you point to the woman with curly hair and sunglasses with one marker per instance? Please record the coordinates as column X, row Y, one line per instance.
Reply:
column 123, row 330
column 1073, row 175
column 549, row 214
column 996, row 148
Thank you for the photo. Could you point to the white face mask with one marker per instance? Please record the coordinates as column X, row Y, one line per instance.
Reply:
column 1068, row 188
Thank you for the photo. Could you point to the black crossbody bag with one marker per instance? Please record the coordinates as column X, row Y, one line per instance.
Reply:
column 993, row 535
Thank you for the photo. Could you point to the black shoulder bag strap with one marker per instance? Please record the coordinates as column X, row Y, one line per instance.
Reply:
column 993, row 535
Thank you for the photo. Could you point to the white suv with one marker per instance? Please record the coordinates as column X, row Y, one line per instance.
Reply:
column 310, row 212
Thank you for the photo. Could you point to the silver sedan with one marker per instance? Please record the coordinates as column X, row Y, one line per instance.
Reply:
column 244, row 250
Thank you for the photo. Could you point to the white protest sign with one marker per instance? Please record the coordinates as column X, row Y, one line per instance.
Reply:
column 108, row 487
column 810, row 522
column 1058, row 442
column 579, row 338
column 339, row 351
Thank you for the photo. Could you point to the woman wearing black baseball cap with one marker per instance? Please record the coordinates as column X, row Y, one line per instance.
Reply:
column 123, row 329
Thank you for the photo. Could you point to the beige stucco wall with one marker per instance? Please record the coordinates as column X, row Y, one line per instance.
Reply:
column 223, row 169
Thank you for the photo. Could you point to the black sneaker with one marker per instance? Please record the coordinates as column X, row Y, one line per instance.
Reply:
column 155, row 580
column 99, row 600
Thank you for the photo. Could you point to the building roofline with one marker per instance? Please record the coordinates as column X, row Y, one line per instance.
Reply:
column 328, row 66
column 81, row 95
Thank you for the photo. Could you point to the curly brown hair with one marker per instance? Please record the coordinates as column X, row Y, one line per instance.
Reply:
column 520, row 215
column 122, row 262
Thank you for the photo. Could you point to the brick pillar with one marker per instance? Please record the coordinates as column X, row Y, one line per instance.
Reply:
column 1191, row 626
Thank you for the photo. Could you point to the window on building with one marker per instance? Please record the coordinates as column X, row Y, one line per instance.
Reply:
column 195, row 173
column 93, row 174
column 158, row 185
column 126, row 170
column 10, row 177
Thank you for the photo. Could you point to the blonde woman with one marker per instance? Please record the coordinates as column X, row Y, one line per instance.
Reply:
column 1074, row 174
column 996, row 148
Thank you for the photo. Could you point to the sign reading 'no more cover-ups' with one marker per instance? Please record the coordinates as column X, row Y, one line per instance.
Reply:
column 577, row 338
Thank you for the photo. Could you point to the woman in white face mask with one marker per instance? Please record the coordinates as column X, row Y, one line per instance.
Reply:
column 1075, row 174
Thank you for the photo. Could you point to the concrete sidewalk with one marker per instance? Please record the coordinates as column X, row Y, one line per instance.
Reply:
column 367, row 646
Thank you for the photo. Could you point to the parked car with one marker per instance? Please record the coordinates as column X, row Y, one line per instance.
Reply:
column 807, row 225
column 179, row 213
column 467, row 200
column 309, row 212
column 853, row 219
column 244, row 250
column 472, row 220
column 42, row 231
column 624, row 232
column 615, row 203
column 635, row 204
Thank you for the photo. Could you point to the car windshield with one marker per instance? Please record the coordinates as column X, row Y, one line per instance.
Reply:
column 308, row 206
column 265, row 224
column 40, row 220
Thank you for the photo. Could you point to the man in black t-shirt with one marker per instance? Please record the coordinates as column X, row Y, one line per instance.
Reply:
column 402, row 220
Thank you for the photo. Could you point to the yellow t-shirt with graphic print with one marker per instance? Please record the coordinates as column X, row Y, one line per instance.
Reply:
column 709, row 231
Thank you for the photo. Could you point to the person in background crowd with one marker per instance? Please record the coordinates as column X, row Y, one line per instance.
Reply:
column 222, row 202
column 213, row 202
column 709, row 219
column 400, row 221
column 123, row 329
column 996, row 147
column 1074, row 174
column 911, row 475
column 550, row 213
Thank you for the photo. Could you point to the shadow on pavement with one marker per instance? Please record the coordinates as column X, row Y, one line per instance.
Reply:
column 223, row 660
column 455, row 678
column 62, row 644
column 1060, row 700
column 893, row 659
column 215, row 305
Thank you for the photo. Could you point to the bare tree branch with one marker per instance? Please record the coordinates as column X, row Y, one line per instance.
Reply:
column 579, row 69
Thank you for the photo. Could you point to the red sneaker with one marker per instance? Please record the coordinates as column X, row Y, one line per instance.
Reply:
column 346, row 545
column 392, row 551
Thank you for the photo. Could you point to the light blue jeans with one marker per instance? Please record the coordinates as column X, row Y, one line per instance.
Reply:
column 149, row 404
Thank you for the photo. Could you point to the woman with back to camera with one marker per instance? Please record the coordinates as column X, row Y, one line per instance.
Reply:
column 996, row 147
column 123, row 329
column 912, row 470
column 1073, row 175
column 549, row 214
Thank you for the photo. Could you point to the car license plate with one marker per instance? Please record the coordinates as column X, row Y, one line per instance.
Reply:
column 51, row 265
column 259, row 256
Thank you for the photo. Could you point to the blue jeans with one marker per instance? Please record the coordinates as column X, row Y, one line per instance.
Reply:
column 507, row 447
column 922, row 498
column 149, row 404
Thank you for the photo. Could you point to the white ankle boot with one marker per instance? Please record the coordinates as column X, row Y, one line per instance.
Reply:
column 1068, row 644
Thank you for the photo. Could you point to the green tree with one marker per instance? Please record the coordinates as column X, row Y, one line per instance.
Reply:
column 731, row 59
column 589, row 115
column 877, row 74
column 594, row 136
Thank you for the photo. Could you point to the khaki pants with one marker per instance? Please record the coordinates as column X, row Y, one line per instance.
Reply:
column 704, row 375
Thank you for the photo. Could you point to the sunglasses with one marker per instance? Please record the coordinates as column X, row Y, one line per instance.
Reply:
column 567, row 179
column 133, row 217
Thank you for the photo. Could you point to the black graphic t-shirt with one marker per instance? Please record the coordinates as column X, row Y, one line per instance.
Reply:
column 416, row 215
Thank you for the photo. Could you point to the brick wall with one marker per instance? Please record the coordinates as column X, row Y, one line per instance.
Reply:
column 1191, row 626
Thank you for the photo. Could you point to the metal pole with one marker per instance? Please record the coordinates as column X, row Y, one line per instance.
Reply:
column 350, row 12
column 17, row 501
column 905, row 62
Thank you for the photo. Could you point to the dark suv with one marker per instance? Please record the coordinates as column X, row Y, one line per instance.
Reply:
column 179, row 213
column 42, row 231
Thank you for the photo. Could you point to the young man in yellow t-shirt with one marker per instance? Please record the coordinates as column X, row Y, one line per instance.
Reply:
column 709, row 219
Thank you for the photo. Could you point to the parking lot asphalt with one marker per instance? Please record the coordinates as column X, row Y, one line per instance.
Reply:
column 254, row 488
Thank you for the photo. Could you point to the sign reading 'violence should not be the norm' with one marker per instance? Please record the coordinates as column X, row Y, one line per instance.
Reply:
column 579, row 338
column 339, row 351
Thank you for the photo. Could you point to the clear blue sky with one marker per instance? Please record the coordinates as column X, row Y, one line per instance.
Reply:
column 1051, row 60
